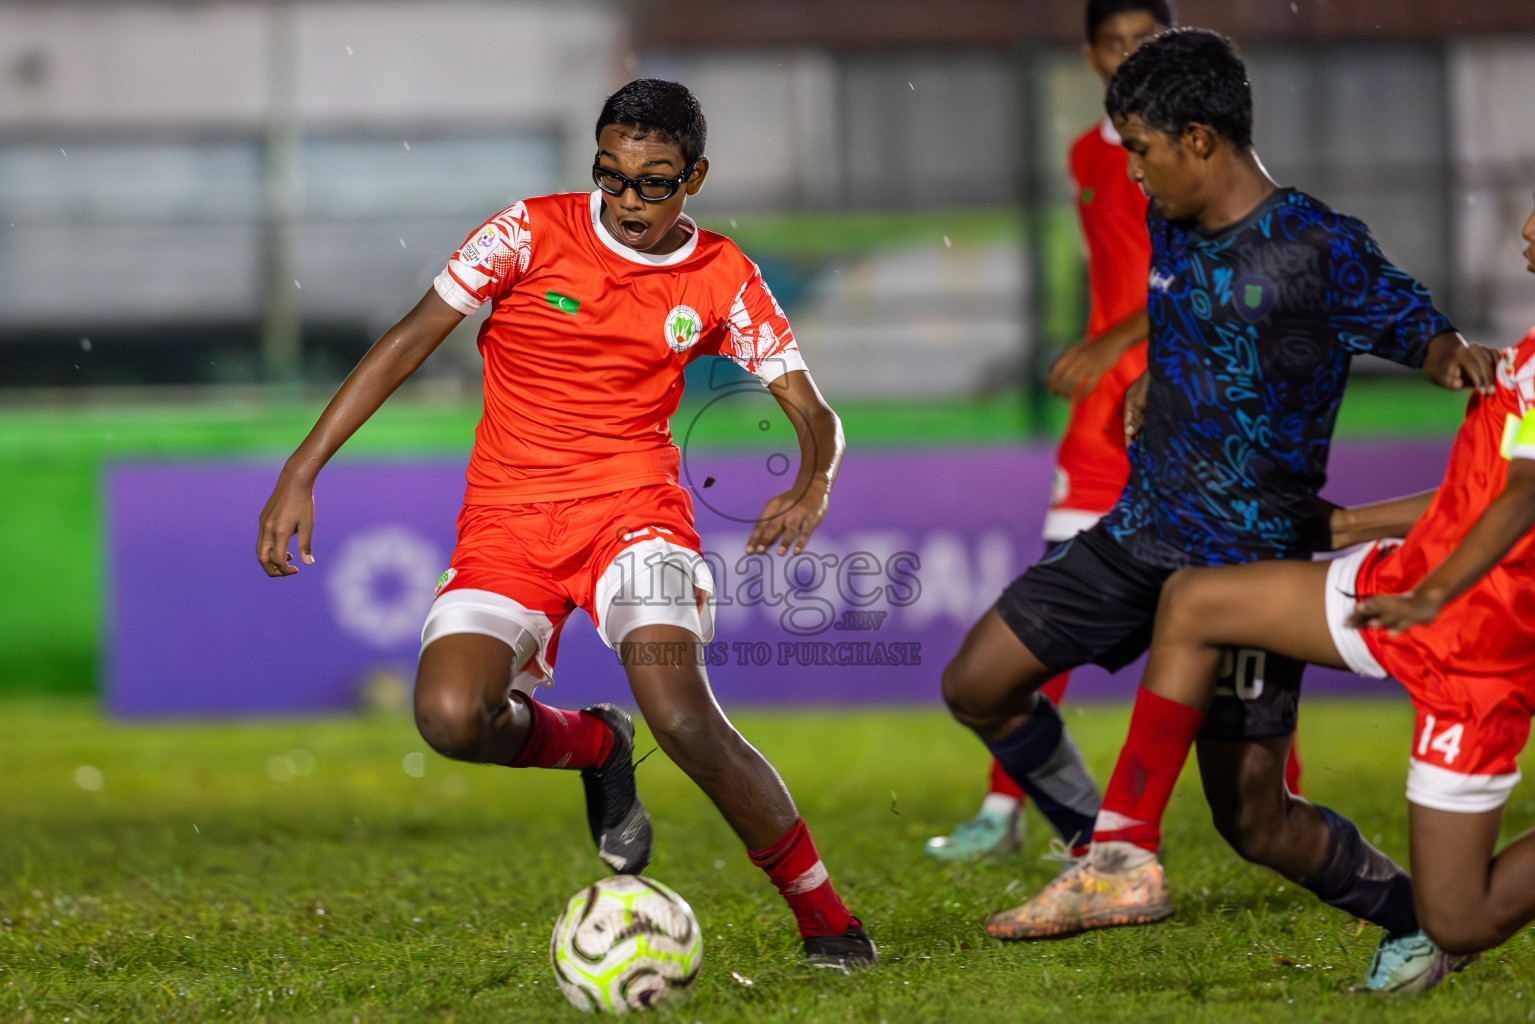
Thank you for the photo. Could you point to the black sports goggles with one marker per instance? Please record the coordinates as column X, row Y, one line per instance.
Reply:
column 652, row 187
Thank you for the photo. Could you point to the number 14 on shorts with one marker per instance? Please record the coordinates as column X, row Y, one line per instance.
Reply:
column 1446, row 743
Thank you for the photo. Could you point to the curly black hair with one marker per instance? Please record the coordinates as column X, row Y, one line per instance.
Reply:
column 1186, row 76
column 1099, row 11
column 655, row 106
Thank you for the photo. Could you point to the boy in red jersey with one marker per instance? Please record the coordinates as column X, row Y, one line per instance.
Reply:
column 1446, row 612
column 598, row 303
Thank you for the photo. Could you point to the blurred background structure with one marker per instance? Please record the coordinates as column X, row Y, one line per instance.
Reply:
column 231, row 193
column 208, row 210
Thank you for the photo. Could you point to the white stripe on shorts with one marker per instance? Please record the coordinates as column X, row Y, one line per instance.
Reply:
column 655, row 582
column 1342, row 582
column 485, row 612
column 1428, row 785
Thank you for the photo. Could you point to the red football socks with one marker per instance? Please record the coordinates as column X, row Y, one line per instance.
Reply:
column 796, row 870
column 1161, row 732
column 563, row 739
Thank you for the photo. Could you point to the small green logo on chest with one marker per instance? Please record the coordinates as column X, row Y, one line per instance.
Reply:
column 563, row 303
column 1253, row 296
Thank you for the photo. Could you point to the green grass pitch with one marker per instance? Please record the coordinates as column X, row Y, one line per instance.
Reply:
column 333, row 870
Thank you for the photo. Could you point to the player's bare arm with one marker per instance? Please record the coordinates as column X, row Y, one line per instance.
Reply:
column 1509, row 517
column 789, row 518
column 392, row 359
column 1360, row 524
column 1455, row 364
column 1078, row 369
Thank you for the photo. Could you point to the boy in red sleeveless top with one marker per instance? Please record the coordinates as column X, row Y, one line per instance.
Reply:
column 598, row 303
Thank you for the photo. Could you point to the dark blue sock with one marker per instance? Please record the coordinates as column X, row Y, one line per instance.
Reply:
column 1359, row 879
column 1040, row 756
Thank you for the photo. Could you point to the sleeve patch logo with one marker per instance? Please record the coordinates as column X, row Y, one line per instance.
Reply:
column 479, row 248
column 682, row 328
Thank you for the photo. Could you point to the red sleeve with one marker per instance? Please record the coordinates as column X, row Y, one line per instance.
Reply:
column 758, row 336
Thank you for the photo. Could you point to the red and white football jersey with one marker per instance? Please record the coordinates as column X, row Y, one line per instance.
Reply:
column 586, row 343
column 1486, row 631
column 1091, row 466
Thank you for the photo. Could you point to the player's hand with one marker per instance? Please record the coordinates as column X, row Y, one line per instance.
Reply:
column 1454, row 364
column 789, row 519
column 1396, row 612
column 1135, row 407
column 1077, row 370
column 289, row 511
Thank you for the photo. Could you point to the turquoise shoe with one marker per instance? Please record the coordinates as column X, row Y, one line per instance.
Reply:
column 987, row 834
column 1411, row 963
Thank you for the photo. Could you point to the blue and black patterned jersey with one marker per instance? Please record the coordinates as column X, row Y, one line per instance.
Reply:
column 1252, row 331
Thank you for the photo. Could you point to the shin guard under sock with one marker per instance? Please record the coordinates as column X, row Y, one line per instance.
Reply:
column 1002, row 783
column 1041, row 757
column 1357, row 878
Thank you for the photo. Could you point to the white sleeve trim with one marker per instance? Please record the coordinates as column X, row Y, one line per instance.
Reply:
column 1443, row 790
column 770, row 369
column 454, row 295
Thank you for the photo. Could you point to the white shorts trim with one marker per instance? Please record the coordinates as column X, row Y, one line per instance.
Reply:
column 1065, row 523
column 1342, row 582
column 487, row 613
column 1429, row 785
column 655, row 582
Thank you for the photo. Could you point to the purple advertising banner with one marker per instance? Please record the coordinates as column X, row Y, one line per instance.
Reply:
column 916, row 547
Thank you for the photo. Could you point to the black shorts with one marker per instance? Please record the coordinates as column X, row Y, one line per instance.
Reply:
column 1091, row 601
column 1257, row 695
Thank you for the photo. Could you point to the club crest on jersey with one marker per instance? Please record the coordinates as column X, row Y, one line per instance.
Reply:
column 682, row 328
column 1254, row 297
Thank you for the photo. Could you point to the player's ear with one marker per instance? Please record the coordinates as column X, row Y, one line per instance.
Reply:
column 1199, row 139
column 696, row 182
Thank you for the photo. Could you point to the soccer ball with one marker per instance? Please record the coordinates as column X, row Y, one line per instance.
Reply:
column 625, row 943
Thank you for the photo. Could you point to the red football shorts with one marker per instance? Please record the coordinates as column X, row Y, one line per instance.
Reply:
column 629, row 558
column 1470, row 728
